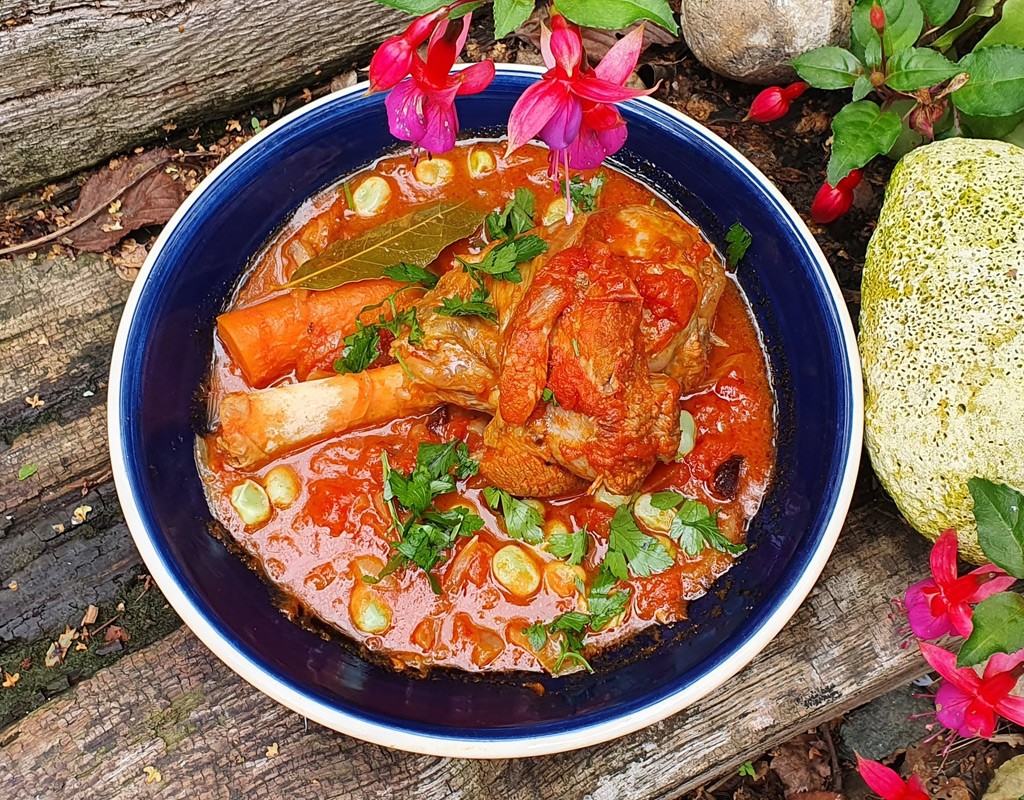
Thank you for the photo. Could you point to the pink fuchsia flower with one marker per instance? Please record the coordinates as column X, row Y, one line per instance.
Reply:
column 773, row 103
column 572, row 108
column 887, row 783
column 971, row 704
column 941, row 605
column 421, row 104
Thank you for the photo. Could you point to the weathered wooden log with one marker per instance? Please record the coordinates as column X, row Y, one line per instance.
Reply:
column 175, row 708
column 80, row 81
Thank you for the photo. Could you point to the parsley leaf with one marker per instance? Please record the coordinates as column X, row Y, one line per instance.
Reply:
column 570, row 546
column 663, row 501
column 514, row 219
column 502, row 260
column 738, row 239
column 537, row 635
column 476, row 306
column 411, row 273
column 362, row 348
column 427, row 532
column 696, row 528
column 522, row 521
column 606, row 607
column 583, row 194
column 548, row 396
column 644, row 554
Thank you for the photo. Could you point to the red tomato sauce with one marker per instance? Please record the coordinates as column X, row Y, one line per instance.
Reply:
column 317, row 549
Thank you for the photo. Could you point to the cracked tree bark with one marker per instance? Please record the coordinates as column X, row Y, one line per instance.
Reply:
column 80, row 81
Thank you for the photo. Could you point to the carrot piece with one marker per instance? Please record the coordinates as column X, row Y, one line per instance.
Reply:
column 268, row 339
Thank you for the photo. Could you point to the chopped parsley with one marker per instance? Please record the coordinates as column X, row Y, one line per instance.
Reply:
column 695, row 527
column 424, row 531
column 548, row 396
column 514, row 219
column 570, row 546
column 663, row 501
column 502, row 261
column 738, row 240
column 583, row 194
column 476, row 306
column 572, row 626
column 522, row 521
column 604, row 604
column 629, row 548
column 362, row 348
column 411, row 273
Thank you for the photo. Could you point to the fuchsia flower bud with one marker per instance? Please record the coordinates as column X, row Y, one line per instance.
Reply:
column 877, row 17
column 831, row 202
column 773, row 103
column 393, row 59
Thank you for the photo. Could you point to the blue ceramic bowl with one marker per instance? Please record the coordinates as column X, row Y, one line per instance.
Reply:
column 163, row 351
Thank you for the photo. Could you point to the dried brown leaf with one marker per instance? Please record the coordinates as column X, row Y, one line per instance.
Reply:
column 272, row 750
column 151, row 201
column 802, row 765
column 91, row 615
column 10, row 680
column 152, row 775
column 54, row 656
column 115, row 633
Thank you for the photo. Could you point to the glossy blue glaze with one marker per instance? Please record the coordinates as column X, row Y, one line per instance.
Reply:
column 168, row 351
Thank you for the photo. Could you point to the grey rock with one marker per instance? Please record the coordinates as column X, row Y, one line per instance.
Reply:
column 751, row 40
column 883, row 726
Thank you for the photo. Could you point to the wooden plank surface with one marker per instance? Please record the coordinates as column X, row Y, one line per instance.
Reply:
column 175, row 707
column 81, row 81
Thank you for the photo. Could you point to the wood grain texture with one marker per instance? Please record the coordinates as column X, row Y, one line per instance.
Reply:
column 82, row 80
column 57, row 322
column 173, row 706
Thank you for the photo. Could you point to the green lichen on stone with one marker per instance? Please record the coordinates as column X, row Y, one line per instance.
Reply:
column 942, row 332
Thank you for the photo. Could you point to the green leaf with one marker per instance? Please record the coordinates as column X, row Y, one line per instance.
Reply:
column 1009, row 29
column 917, row 67
column 861, row 132
column 606, row 607
column 904, row 22
column 417, row 7
column 548, row 396
column 998, row 628
column 476, row 306
column 417, row 238
column 537, row 635
column 738, row 240
column 828, row 67
column 663, row 501
column 509, row 15
column 645, row 554
column 617, row 14
column 362, row 348
column 411, row 273
column 990, row 127
column 982, row 10
column 522, row 521
column 996, row 87
column 570, row 546
column 514, row 219
column 583, row 194
column 939, row 12
column 27, row 471
column 999, row 512
column 862, row 87
column 695, row 527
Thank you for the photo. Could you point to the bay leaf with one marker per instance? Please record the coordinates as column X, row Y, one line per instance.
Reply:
column 417, row 238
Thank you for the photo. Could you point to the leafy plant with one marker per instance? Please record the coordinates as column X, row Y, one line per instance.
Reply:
column 909, row 82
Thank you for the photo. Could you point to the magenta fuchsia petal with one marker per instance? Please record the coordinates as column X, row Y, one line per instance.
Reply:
column 620, row 60
column 950, row 706
column 564, row 125
column 882, row 780
column 566, row 45
column 404, row 105
column 602, row 133
column 590, row 87
column 923, row 622
column 441, row 126
column 539, row 103
column 943, row 557
column 476, row 78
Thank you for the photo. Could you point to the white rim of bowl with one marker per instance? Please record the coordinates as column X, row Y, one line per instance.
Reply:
column 480, row 747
